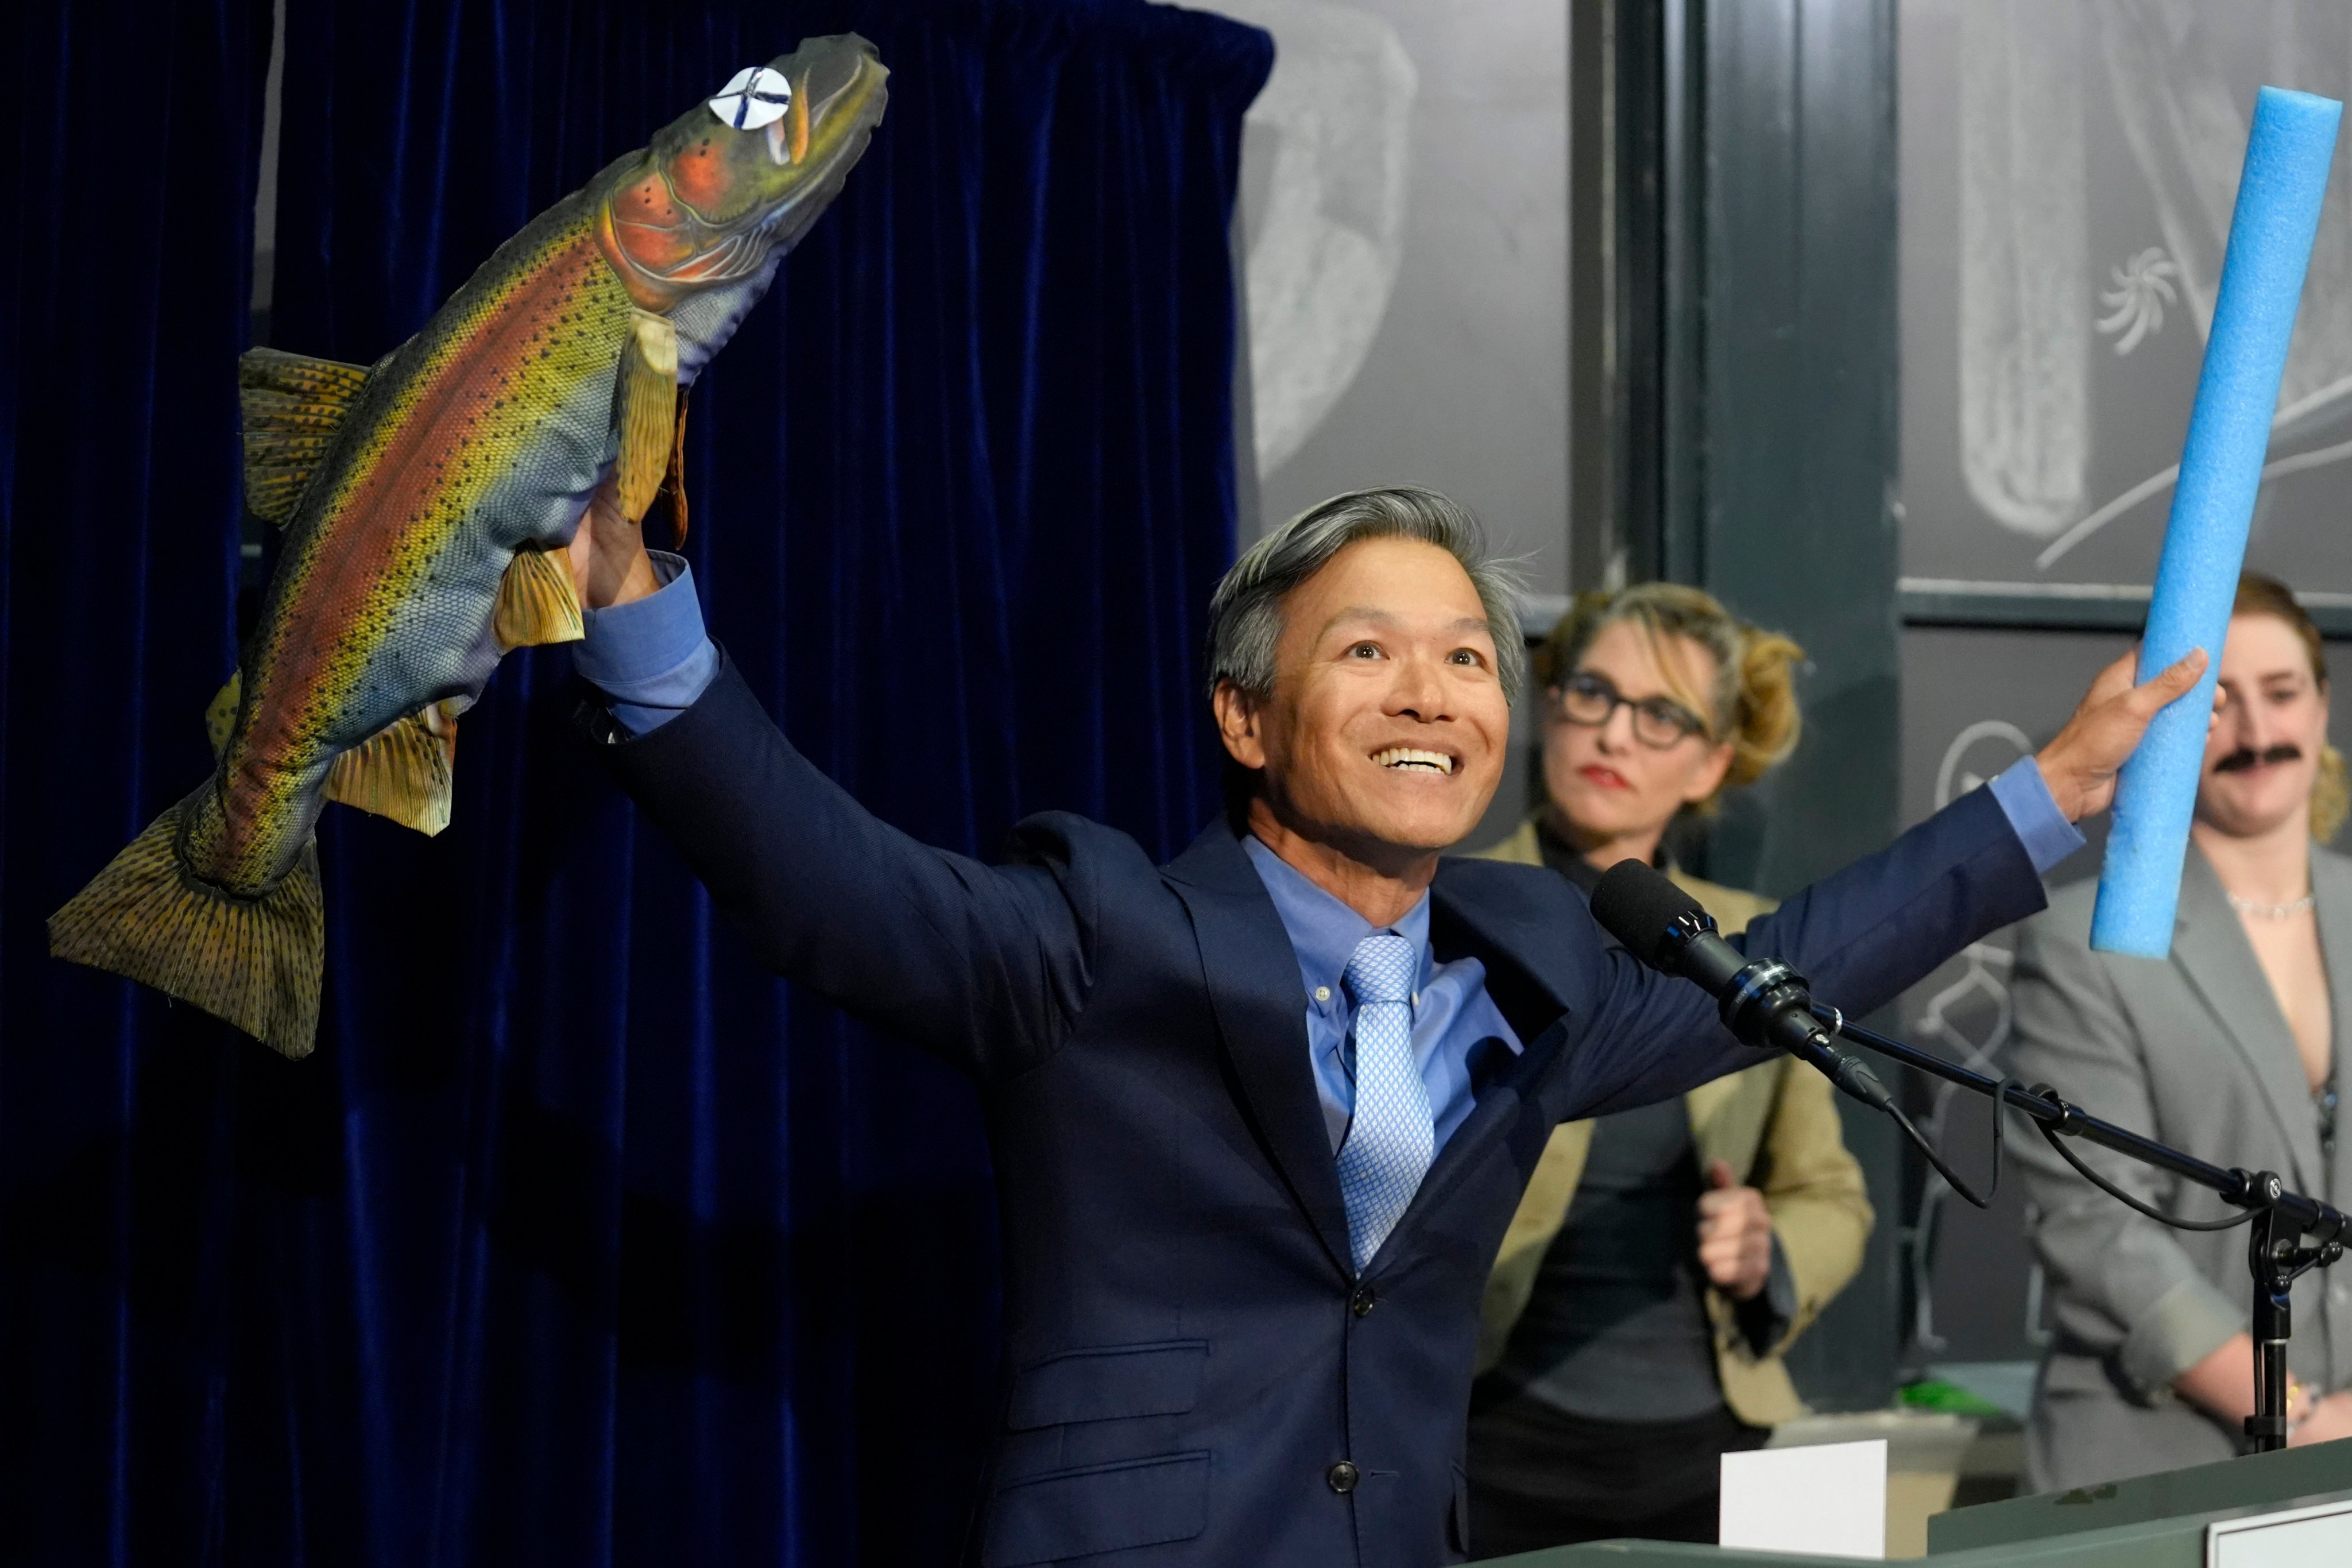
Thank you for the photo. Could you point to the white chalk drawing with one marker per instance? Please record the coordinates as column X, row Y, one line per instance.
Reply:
column 1336, row 119
column 1980, row 991
column 2143, row 287
column 2294, row 415
column 2031, row 71
column 2025, row 341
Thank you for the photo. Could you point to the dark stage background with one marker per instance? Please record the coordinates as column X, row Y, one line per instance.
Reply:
column 578, row 1241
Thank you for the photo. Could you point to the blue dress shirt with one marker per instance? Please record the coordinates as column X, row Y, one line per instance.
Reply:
column 651, row 655
column 652, row 659
column 2033, row 814
column 1452, row 1013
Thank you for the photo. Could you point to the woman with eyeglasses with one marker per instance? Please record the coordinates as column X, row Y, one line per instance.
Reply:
column 1662, row 1259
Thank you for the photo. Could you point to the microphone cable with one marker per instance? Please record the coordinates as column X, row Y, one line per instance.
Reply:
column 2050, row 1134
column 1766, row 1003
column 1920, row 1141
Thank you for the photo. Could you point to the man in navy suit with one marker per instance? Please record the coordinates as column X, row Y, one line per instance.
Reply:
column 1260, row 1115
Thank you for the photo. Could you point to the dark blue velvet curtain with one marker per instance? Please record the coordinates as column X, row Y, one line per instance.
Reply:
column 579, row 1240
column 125, row 281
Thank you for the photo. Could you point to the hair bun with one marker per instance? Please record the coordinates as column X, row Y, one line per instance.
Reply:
column 1768, row 722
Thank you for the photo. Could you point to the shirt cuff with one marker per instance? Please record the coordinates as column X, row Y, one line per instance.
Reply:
column 1764, row 1318
column 650, row 657
column 2034, row 815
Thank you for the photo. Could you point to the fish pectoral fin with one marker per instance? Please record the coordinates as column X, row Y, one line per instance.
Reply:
column 537, row 602
column 220, row 714
column 292, row 406
column 644, row 410
column 403, row 771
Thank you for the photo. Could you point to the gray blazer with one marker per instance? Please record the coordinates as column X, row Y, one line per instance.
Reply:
column 2194, row 1050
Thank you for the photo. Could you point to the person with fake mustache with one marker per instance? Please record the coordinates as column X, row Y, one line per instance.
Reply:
column 2229, row 1048
column 1260, row 1115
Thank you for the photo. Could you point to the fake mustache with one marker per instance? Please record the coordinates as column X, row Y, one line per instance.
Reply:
column 2246, row 757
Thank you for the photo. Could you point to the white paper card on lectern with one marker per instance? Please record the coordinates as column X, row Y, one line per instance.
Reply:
column 2318, row 1537
column 1828, row 1499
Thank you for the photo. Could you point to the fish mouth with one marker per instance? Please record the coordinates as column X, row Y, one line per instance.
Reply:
column 824, row 89
column 1414, row 759
column 708, row 203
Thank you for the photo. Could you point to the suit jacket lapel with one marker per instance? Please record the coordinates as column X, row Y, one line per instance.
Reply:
column 1503, row 945
column 1497, row 1111
column 2331, row 887
column 1252, row 981
column 2211, row 949
column 1534, row 949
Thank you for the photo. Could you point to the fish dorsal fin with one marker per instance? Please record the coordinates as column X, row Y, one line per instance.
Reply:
column 220, row 714
column 403, row 771
column 537, row 602
column 644, row 410
column 292, row 407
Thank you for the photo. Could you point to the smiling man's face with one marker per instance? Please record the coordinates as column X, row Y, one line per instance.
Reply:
column 1385, row 732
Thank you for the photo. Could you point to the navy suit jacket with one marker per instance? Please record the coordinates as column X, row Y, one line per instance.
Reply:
column 1195, row 1375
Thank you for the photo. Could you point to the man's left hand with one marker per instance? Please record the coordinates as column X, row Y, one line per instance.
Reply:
column 2081, row 762
column 1734, row 1235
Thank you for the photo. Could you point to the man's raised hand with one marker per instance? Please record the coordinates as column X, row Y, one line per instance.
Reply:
column 2081, row 762
column 609, row 564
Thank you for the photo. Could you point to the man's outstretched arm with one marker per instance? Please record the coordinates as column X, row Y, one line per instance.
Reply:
column 983, row 966
column 1864, row 934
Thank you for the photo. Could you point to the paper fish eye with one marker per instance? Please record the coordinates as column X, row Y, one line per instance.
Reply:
column 753, row 96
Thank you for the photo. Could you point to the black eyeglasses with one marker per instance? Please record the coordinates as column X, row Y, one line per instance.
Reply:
column 1588, row 698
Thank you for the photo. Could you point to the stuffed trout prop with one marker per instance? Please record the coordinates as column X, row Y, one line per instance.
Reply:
column 427, row 501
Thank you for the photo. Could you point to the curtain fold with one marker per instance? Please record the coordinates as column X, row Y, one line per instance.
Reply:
column 123, row 298
column 579, row 1240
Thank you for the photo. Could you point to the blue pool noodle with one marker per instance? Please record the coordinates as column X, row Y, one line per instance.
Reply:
column 2271, row 233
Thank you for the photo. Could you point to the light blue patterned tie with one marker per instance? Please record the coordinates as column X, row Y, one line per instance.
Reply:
column 1390, row 1138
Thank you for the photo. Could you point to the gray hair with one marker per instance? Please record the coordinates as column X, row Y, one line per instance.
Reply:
column 1246, row 612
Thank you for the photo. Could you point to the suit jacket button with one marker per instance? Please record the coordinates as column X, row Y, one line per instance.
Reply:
column 1362, row 1302
column 1342, row 1477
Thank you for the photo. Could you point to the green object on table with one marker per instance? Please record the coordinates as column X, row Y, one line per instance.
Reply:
column 1949, row 1399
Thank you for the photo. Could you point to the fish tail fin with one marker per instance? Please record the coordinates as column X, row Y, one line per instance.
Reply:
column 255, row 962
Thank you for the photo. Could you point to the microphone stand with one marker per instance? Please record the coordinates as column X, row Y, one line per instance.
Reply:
column 2276, row 1254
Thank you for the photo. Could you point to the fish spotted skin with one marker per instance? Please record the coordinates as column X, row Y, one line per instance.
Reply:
column 485, row 433
column 424, row 499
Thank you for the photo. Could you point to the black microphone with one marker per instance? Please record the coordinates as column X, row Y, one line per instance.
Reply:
column 1762, row 1000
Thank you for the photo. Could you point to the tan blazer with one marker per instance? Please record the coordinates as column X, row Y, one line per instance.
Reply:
column 1776, row 1125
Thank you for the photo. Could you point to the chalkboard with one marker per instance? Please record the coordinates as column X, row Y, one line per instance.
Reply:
column 2068, row 168
column 1404, row 223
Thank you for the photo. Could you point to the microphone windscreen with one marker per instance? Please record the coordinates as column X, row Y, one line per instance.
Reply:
column 1637, row 906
